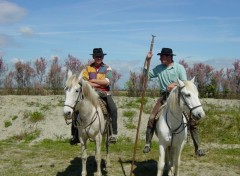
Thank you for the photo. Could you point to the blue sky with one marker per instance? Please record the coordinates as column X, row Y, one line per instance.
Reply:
column 206, row 31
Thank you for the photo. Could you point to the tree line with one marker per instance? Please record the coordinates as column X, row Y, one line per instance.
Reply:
column 42, row 77
column 211, row 83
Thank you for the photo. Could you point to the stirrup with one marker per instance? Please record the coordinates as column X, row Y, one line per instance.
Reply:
column 200, row 152
column 113, row 138
column 146, row 148
column 74, row 141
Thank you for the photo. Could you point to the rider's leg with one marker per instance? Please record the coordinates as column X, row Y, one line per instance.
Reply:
column 194, row 135
column 74, row 132
column 113, row 112
column 150, row 127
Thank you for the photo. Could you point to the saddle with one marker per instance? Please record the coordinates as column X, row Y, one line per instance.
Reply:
column 103, row 106
column 160, row 111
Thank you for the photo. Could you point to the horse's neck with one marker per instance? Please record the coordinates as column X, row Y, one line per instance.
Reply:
column 86, row 111
column 174, row 114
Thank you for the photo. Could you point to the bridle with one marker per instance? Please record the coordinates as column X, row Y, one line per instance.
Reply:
column 174, row 132
column 79, row 97
column 185, row 101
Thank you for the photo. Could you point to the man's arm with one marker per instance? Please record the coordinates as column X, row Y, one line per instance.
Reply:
column 147, row 60
column 98, row 83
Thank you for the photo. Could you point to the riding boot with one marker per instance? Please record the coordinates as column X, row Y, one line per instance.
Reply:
column 75, row 137
column 194, row 135
column 149, row 136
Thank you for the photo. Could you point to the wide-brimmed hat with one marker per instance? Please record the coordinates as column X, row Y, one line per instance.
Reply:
column 98, row 52
column 166, row 51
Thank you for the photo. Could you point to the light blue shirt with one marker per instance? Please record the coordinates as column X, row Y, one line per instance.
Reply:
column 167, row 75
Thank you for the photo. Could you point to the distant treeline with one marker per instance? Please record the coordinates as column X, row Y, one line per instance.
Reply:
column 41, row 78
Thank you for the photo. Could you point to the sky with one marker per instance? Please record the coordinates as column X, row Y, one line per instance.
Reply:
column 206, row 31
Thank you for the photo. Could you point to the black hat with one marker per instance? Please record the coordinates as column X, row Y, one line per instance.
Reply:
column 98, row 52
column 166, row 51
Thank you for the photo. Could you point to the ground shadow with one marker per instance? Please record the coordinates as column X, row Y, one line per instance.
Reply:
column 142, row 168
column 75, row 167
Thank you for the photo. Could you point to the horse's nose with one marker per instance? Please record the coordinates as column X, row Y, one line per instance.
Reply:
column 67, row 113
column 200, row 115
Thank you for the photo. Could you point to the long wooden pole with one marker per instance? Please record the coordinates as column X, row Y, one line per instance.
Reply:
column 141, row 107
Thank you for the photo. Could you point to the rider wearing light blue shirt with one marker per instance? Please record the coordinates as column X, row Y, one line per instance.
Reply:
column 167, row 73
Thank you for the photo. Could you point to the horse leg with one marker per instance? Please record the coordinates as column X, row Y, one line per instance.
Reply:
column 84, row 156
column 108, row 164
column 161, row 161
column 98, row 154
column 177, row 159
column 171, row 161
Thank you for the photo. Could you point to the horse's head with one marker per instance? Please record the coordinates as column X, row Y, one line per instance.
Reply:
column 78, row 91
column 189, row 100
column 73, row 94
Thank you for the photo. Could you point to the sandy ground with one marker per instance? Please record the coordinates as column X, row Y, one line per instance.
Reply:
column 53, row 126
column 14, row 109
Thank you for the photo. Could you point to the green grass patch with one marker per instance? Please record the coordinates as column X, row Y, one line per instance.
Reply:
column 24, row 137
column 44, row 107
column 129, row 114
column 36, row 117
column 7, row 124
column 220, row 125
column 14, row 117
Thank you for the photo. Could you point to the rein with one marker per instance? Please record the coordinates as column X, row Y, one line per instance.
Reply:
column 74, row 107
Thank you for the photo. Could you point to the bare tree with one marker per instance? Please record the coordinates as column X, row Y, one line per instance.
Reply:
column 74, row 64
column 55, row 75
column 115, row 77
column 3, row 69
column 40, row 69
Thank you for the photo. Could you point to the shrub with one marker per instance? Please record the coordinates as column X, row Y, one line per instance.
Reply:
column 7, row 124
column 36, row 117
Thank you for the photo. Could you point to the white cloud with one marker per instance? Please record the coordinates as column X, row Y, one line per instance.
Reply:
column 26, row 31
column 10, row 12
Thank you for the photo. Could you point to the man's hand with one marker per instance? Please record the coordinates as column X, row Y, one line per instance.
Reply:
column 149, row 55
column 171, row 86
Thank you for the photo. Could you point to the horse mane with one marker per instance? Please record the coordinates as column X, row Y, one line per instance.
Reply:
column 89, row 93
column 172, row 100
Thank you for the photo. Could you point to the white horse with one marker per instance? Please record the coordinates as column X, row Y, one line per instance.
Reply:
column 171, row 128
column 91, row 124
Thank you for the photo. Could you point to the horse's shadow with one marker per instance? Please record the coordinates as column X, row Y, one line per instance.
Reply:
column 75, row 167
column 142, row 168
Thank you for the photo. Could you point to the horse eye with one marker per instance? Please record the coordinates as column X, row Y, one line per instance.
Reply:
column 77, row 90
column 188, row 95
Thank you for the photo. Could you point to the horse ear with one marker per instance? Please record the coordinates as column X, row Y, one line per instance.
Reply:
column 180, row 83
column 69, row 73
column 80, row 75
column 193, row 79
